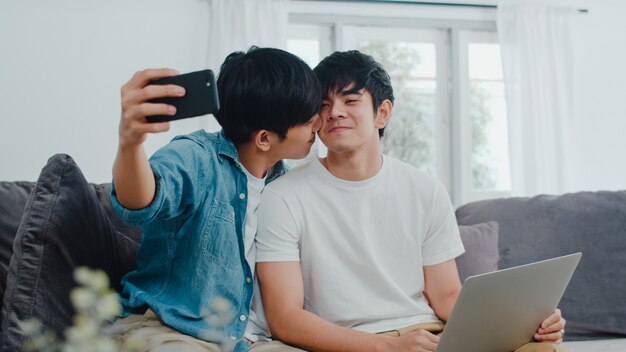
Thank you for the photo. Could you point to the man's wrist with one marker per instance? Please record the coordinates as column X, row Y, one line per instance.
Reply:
column 382, row 343
column 127, row 146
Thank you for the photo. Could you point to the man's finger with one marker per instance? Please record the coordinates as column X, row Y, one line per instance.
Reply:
column 154, row 127
column 554, row 336
column 160, row 91
column 552, row 319
column 141, row 78
column 138, row 112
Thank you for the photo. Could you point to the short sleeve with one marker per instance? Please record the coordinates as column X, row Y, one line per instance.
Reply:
column 442, row 241
column 277, row 237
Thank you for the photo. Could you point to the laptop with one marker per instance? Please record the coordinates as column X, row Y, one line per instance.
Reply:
column 502, row 310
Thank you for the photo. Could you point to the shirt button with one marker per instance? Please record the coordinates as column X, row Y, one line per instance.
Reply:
column 242, row 196
column 242, row 317
column 233, row 338
column 248, row 280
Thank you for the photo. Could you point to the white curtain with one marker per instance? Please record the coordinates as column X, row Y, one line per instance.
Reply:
column 536, row 44
column 235, row 25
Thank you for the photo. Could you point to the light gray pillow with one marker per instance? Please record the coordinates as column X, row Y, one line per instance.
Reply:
column 481, row 249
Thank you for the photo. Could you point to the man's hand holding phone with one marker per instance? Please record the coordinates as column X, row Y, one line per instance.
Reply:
column 134, row 181
column 160, row 95
column 137, row 94
column 150, row 99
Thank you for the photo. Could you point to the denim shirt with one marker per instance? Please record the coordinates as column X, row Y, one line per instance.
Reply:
column 192, row 249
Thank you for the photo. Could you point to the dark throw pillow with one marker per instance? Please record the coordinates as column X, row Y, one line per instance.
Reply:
column 64, row 225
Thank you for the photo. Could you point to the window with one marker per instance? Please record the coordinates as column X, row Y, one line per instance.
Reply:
column 415, row 60
column 310, row 42
column 449, row 117
column 485, row 151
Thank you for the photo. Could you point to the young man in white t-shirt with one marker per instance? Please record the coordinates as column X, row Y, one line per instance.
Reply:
column 355, row 251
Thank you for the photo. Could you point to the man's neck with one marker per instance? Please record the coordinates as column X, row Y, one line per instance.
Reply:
column 255, row 161
column 353, row 165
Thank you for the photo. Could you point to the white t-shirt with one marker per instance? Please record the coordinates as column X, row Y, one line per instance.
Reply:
column 361, row 244
column 255, row 187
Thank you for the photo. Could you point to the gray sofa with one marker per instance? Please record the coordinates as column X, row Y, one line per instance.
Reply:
column 497, row 233
column 542, row 227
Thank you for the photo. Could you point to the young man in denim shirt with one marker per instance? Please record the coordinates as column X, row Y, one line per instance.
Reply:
column 195, row 199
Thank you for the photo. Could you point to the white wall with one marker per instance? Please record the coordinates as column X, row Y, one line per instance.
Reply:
column 62, row 64
column 599, row 159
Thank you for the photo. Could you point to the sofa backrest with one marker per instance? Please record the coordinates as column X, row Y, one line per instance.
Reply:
column 594, row 223
column 13, row 196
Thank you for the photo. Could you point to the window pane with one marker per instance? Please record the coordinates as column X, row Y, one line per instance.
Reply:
column 410, row 135
column 485, row 61
column 307, row 49
column 490, row 152
column 310, row 43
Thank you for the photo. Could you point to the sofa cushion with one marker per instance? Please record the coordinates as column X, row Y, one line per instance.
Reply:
column 481, row 249
column 65, row 224
column 542, row 227
column 13, row 197
column 612, row 345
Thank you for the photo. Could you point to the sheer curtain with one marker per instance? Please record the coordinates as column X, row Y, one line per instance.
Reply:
column 536, row 44
column 235, row 25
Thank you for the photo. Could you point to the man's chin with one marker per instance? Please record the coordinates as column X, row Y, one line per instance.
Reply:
column 337, row 147
column 301, row 155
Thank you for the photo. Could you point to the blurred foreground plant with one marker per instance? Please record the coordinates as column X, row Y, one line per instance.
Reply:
column 95, row 304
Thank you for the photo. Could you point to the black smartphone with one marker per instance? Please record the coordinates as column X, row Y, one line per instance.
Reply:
column 200, row 96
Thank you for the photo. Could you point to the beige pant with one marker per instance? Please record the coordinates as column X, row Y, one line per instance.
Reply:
column 437, row 328
column 432, row 327
column 156, row 336
column 273, row 346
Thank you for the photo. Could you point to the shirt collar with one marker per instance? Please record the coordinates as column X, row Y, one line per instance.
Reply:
column 226, row 149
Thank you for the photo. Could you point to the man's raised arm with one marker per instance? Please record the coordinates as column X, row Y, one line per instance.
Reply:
column 132, row 175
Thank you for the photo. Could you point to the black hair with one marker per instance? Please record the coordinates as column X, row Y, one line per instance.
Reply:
column 340, row 69
column 265, row 88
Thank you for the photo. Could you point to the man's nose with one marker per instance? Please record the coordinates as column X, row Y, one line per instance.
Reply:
column 336, row 112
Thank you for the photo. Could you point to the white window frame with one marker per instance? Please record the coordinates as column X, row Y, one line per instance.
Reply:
column 313, row 31
column 353, row 34
column 336, row 15
column 468, row 193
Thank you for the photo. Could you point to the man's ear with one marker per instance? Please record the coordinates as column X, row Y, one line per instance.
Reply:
column 263, row 139
column 384, row 113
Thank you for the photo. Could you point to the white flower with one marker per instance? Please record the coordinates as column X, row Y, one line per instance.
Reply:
column 95, row 303
column 99, row 281
column 220, row 305
column 108, row 306
column 83, row 298
column 82, row 275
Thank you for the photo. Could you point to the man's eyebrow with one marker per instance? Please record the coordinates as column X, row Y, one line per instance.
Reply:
column 352, row 91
